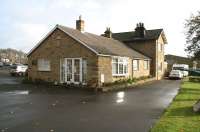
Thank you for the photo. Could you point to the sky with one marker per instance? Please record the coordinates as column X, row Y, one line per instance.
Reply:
column 24, row 23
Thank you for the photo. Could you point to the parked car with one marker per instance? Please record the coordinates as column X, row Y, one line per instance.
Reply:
column 1, row 64
column 181, row 67
column 176, row 74
column 18, row 70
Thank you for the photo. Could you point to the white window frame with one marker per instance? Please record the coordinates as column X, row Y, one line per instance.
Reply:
column 63, row 78
column 137, row 65
column 160, row 48
column 147, row 64
column 120, row 61
column 43, row 65
column 160, row 67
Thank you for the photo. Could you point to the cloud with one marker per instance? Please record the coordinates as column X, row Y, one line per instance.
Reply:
column 24, row 23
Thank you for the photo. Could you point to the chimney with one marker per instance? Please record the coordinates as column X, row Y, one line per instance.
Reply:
column 140, row 30
column 108, row 33
column 80, row 24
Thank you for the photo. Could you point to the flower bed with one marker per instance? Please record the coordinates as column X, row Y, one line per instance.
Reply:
column 126, row 83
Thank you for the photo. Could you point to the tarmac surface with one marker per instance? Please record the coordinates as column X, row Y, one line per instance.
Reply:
column 39, row 108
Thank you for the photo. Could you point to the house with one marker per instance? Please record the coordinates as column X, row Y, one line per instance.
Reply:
column 69, row 55
column 148, row 42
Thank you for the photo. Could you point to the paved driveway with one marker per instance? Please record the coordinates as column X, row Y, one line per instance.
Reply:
column 30, row 108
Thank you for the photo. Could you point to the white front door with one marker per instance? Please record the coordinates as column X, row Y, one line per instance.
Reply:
column 73, row 70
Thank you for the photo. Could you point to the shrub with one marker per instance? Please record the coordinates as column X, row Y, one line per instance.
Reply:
column 126, row 81
column 27, row 80
column 194, row 79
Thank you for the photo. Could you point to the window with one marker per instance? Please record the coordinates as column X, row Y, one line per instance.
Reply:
column 84, row 70
column 136, row 65
column 62, row 70
column 160, row 66
column 119, row 66
column 43, row 65
column 146, row 65
column 160, row 47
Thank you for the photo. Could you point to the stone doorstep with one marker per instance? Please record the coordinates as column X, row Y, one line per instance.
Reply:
column 125, row 86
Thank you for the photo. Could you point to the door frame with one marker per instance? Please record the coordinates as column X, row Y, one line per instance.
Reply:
column 73, row 70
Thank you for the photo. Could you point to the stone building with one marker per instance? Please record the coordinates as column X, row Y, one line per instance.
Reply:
column 69, row 55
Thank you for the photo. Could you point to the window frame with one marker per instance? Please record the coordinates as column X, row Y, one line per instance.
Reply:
column 160, row 67
column 41, row 63
column 138, row 65
column 160, row 48
column 147, row 64
column 120, row 62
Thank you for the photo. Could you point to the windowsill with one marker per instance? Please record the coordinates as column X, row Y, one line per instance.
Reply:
column 117, row 75
column 44, row 70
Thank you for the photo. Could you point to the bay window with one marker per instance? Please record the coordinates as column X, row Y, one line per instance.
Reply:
column 119, row 66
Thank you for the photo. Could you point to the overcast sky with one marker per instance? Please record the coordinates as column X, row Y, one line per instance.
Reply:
column 24, row 22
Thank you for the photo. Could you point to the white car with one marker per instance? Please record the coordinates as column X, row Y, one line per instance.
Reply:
column 19, row 70
column 1, row 64
column 176, row 74
column 182, row 67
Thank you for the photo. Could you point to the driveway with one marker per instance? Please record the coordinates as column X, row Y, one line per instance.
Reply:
column 36, row 108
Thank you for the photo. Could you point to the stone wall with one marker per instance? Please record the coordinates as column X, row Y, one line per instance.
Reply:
column 150, row 49
column 105, row 68
column 56, row 47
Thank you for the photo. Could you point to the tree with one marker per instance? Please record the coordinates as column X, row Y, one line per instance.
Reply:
column 192, row 26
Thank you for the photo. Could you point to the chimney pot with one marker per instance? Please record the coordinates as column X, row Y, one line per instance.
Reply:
column 140, row 30
column 108, row 33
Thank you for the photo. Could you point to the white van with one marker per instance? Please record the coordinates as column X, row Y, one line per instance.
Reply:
column 181, row 67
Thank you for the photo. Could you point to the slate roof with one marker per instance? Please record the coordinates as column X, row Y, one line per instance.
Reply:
column 98, row 44
column 131, row 36
column 102, row 45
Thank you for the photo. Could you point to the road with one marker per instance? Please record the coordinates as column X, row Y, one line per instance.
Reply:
column 38, row 108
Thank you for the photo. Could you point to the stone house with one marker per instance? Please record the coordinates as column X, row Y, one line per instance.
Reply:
column 148, row 42
column 69, row 55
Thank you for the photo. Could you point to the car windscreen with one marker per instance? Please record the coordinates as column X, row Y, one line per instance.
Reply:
column 178, row 68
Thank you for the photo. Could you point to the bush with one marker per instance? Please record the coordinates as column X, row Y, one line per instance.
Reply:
column 126, row 81
column 194, row 79
column 26, row 80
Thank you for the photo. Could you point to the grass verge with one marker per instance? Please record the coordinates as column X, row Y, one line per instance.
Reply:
column 179, row 116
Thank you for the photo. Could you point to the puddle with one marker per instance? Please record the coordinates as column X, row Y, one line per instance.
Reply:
column 19, row 92
column 120, row 97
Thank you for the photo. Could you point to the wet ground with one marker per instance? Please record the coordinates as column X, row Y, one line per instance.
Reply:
column 37, row 108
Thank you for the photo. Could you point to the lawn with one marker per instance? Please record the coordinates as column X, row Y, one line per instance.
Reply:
column 179, row 116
